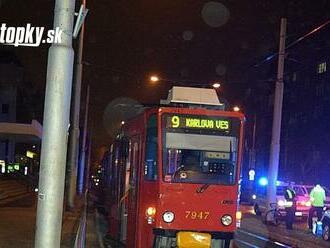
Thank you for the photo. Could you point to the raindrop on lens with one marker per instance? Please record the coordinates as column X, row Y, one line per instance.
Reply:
column 215, row 14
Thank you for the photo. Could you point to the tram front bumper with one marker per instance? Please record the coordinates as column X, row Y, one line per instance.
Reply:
column 193, row 240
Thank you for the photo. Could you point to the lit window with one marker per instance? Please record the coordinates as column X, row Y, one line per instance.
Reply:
column 322, row 67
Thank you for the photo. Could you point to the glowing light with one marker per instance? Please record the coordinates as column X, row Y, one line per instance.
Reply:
column 254, row 197
column 252, row 173
column 263, row 181
column 25, row 170
column 216, row 85
column 30, row 154
column 238, row 215
column 236, row 108
column 122, row 122
column 3, row 166
column 151, row 211
column 281, row 203
column 154, row 79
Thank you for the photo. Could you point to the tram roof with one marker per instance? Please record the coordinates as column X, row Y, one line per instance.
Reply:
column 192, row 95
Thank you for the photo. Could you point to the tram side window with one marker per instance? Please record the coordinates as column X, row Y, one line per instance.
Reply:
column 150, row 167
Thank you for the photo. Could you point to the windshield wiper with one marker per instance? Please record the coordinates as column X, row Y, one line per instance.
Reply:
column 176, row 171
column 202, row 188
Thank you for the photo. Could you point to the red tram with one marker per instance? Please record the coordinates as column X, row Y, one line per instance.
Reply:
column 172, row 174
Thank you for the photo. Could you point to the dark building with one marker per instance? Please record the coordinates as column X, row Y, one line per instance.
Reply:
column 20, row 106
column 11, row 75
column 305, row 135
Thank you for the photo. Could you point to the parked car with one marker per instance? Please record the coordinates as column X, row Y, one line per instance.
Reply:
column 302, row 201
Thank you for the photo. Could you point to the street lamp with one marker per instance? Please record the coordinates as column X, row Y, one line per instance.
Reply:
column 216, row 85
column 155, row 78
column 236, row 108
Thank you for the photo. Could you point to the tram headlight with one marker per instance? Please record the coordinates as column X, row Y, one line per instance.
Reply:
column 226, row 220
column 168, row 216
column 150, row 214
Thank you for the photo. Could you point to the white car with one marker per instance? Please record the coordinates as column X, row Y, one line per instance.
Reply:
column 302, row 201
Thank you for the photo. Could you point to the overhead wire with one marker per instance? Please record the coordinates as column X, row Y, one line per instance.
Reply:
column 270, row 57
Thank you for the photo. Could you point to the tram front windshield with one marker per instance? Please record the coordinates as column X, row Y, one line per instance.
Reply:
column 197, row 152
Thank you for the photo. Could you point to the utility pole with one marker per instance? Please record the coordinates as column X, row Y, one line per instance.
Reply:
column 74, row 135
column 88, row 167
column 277, row 116
column 83, row 148
column 252, row 154
column 55, row 131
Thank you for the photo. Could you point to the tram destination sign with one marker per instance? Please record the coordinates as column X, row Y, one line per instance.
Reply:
column 198, row 122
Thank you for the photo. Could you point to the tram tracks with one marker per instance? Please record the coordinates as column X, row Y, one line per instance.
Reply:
column 245, row 239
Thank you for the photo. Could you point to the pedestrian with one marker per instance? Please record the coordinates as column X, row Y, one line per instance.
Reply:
column 317, row 198
column 290, row 206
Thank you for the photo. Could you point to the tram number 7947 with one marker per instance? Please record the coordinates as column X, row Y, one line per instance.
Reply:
column 197, row 215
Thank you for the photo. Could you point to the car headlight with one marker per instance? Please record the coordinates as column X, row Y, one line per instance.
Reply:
column 168, row 216
column 226, row 220
column 281, row 203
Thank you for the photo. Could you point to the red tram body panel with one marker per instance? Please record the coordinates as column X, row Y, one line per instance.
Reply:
column 173, row 171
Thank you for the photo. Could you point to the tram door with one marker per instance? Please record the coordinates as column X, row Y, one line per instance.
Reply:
column 123, row 201
column 133, row 190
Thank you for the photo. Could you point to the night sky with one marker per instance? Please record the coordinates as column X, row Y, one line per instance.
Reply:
column 200, row 41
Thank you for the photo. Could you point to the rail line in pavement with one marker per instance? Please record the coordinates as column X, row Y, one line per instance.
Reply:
column 245, row 239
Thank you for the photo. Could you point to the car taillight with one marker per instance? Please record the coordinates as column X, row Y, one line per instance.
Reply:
column 304, row 203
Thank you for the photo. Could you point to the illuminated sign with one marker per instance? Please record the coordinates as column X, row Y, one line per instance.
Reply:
column 10, row 168
column 252, row 173
column 3, row 166
column 30, row 154
column 198, row 122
